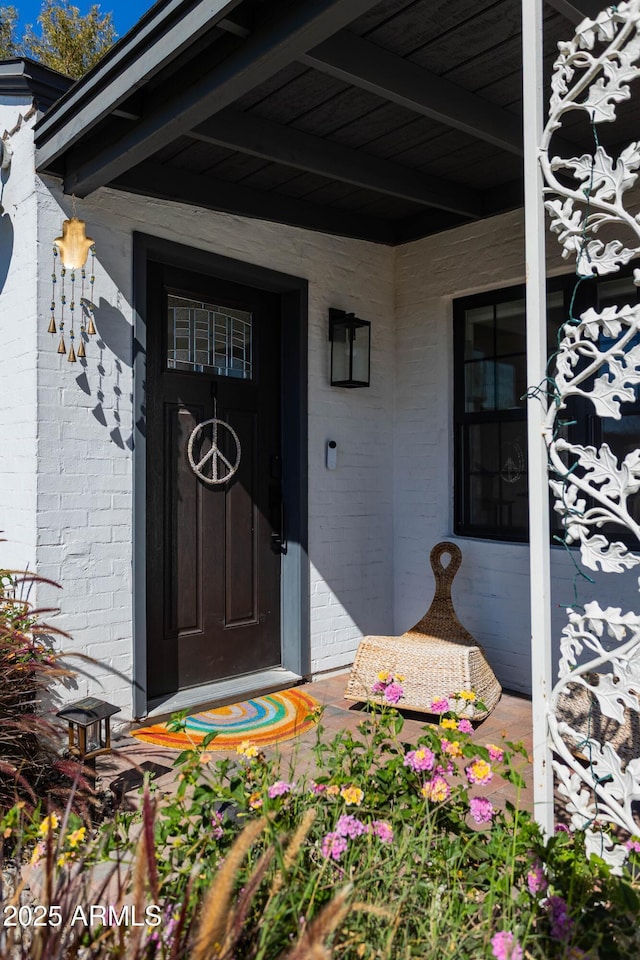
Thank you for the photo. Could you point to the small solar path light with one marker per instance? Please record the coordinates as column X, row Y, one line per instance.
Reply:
column 89, row 723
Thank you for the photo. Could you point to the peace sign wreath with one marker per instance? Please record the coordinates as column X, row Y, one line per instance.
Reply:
column 222, row 468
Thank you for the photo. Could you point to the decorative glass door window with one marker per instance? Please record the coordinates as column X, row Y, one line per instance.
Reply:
column 209, row 338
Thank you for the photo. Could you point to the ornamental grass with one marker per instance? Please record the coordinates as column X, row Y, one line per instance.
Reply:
column 31, row 766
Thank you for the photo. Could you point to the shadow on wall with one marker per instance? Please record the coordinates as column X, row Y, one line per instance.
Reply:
column 6, row 236
column 115, row 335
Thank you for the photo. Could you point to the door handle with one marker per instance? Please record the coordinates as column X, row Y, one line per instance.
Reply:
column 278, row 536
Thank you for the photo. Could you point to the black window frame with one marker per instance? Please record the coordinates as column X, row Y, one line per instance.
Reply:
column 588, row 429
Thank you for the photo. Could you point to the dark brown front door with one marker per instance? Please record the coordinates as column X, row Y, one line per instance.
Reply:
column 213, row 550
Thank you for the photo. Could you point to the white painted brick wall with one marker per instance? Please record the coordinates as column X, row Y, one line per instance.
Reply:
column 18, row 344
column 84, row 486
column 491, row 591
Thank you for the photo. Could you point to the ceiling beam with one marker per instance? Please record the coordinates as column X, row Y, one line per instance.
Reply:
column 576, row 11
column 363, row 64
column 251, row 134
column 164, row 182
column 274, row 45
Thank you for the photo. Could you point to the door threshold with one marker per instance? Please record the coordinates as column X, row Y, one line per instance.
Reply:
column 222, row 692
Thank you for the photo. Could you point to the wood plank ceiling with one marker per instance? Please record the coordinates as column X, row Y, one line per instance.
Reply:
column 386, row 121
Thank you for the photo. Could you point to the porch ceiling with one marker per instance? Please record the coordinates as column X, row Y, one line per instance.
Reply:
column 382, row 120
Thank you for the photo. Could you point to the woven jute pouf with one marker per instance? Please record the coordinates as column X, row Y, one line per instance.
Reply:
column 437, row 657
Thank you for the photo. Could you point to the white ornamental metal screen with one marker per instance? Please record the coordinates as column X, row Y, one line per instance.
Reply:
column 594, row 211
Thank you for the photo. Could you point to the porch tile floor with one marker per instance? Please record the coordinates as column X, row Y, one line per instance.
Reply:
column 123, row 771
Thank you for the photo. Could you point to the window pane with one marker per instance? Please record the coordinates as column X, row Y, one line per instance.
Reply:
column 478, row 335
column 619, row 292
column 479, row 386
column 556, row 316
column 497, row 471
column 484, row 444
column 206, row 338
column 511, row 382
column 514, row 500
column 510, row 327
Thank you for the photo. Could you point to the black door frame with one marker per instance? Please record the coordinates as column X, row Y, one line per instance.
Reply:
column 293, row 292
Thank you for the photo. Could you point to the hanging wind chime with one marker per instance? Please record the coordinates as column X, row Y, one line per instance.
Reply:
column 70, row 254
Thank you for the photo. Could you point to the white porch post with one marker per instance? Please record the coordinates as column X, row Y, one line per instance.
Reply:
column 540, row 576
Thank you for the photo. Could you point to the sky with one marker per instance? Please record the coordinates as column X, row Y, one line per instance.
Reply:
column 125, row 12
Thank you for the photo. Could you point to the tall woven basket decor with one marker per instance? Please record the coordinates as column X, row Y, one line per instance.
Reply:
column 437, row 657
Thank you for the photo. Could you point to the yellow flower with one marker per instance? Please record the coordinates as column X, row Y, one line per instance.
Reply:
column 64, row 858
column 448, row 724
column 399, row 678
column 49, row 823
column 437, row 790
column 255, row 801
column 38, row 852
column 352, row 795
column 247, row 749
column 383, row 676
column 333, row 790
column 452, row 749
column 468, row 695
column 76, row 837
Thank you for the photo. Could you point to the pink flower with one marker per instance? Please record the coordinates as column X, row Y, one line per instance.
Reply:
column 216, row 822
column 440, row 706
column 350, row 826
column 495, row 753
column 504, row 946
column 420, row 759
column 378, row 687
column 444, row 771
column 561, row 922
column 333, row 845
column 481, row 809
column 382, row 830
column 464, row 726
column 562, row 828
column 317, row 788
column 633, row 846
column 393, row 693
column 278, row 789
column 536, row 880
column 478, row 771
column 436, row 790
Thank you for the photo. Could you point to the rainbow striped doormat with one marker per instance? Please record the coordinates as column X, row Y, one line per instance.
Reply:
column 262, row 721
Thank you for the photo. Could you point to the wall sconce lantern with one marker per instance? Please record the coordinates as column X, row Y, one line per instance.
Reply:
column 89, row 723
column 350, row 349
